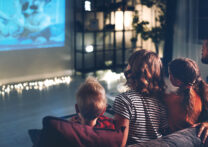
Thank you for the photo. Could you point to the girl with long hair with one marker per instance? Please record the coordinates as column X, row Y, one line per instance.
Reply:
column 140, row 110
column 189, row 105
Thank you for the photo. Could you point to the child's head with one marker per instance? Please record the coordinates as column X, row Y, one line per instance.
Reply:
column 91, row 100
column 144, row 72
column 183, row 72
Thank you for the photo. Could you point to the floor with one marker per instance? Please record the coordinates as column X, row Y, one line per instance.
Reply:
column 21, row 112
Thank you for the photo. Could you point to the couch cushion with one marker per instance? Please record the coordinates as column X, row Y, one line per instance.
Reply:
column 57, row 132
column 183, row 138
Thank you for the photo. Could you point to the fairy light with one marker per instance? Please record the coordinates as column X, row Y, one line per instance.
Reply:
column 37, row 85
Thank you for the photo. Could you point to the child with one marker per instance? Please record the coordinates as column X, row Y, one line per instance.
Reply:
column 91, row 105
column 141, row 109
column 91, row 129
column 189, row 105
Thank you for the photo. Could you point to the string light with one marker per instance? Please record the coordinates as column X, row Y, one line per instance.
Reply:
column 38, row 85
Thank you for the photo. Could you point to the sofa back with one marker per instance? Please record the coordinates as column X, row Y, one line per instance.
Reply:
column 57, row 132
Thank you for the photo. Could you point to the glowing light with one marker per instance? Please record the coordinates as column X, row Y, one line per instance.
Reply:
column 128, row 20
column 112, row 79
column 147, row 15
column 111, row 76
column 37, row 85
column 89, row 48
column 87, row 6
column 119, row 20
column 120, row 17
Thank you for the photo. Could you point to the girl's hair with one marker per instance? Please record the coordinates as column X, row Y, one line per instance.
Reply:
column 145, row 74
column 187, row 71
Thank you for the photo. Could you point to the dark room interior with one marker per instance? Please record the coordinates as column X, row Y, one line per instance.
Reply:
column 49, row 47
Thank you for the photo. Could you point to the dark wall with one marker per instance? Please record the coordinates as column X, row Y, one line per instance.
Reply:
column 169, row 34
column 203, row 19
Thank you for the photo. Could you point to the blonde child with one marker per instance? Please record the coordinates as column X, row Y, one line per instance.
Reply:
column 91, row 105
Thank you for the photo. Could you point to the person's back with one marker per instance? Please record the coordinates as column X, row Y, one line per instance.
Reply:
column 146, row 116
column 189, row 104
column 90, row 128
column 141, row 109
column 178, row 119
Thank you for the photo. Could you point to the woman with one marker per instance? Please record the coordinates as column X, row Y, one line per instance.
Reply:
column 141, row 109
column 189, row 105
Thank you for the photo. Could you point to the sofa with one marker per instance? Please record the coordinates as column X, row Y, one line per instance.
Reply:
column 58, row 132
column 183, row 138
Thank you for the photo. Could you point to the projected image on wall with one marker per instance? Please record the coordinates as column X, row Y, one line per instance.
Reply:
column 26, row 24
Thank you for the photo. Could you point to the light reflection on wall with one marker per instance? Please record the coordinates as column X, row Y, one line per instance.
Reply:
column 117, row 18
column 115, row 81
column 149, row 14
column 120, row 17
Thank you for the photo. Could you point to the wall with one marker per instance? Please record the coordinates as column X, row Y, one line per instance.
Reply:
column 186, row 42
column 24, row 65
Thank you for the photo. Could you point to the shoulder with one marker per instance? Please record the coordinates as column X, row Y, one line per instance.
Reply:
column 105, row 122
column 172, row 97
column 105, row 118
column 124, row 103
column 129, row 95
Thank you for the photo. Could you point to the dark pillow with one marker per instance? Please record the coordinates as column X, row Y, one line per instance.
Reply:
column 183, row 138
column 57, row 132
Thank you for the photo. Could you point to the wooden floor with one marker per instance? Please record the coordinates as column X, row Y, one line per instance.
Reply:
column 22, row 112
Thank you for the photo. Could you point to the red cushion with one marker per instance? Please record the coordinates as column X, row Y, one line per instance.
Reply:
column 61, row 133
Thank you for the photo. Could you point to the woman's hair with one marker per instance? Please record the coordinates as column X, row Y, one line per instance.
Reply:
column 187, row 71
column 91, row 99
column 145, row 74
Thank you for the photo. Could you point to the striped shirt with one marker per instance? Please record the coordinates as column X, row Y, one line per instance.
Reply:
column 147, row 115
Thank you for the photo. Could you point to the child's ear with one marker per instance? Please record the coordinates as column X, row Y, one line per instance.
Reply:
column 76, row 108
column 178, row 82
column 103, row 111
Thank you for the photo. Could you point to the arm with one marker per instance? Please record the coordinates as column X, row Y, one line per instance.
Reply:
column 203, row 130
column 203, row 125
column 122, row 122
column 122, row 108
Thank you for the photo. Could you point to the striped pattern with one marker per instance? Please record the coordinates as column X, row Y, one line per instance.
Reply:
column 147, row 115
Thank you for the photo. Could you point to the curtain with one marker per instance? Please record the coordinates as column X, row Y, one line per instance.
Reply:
column 185, row 39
